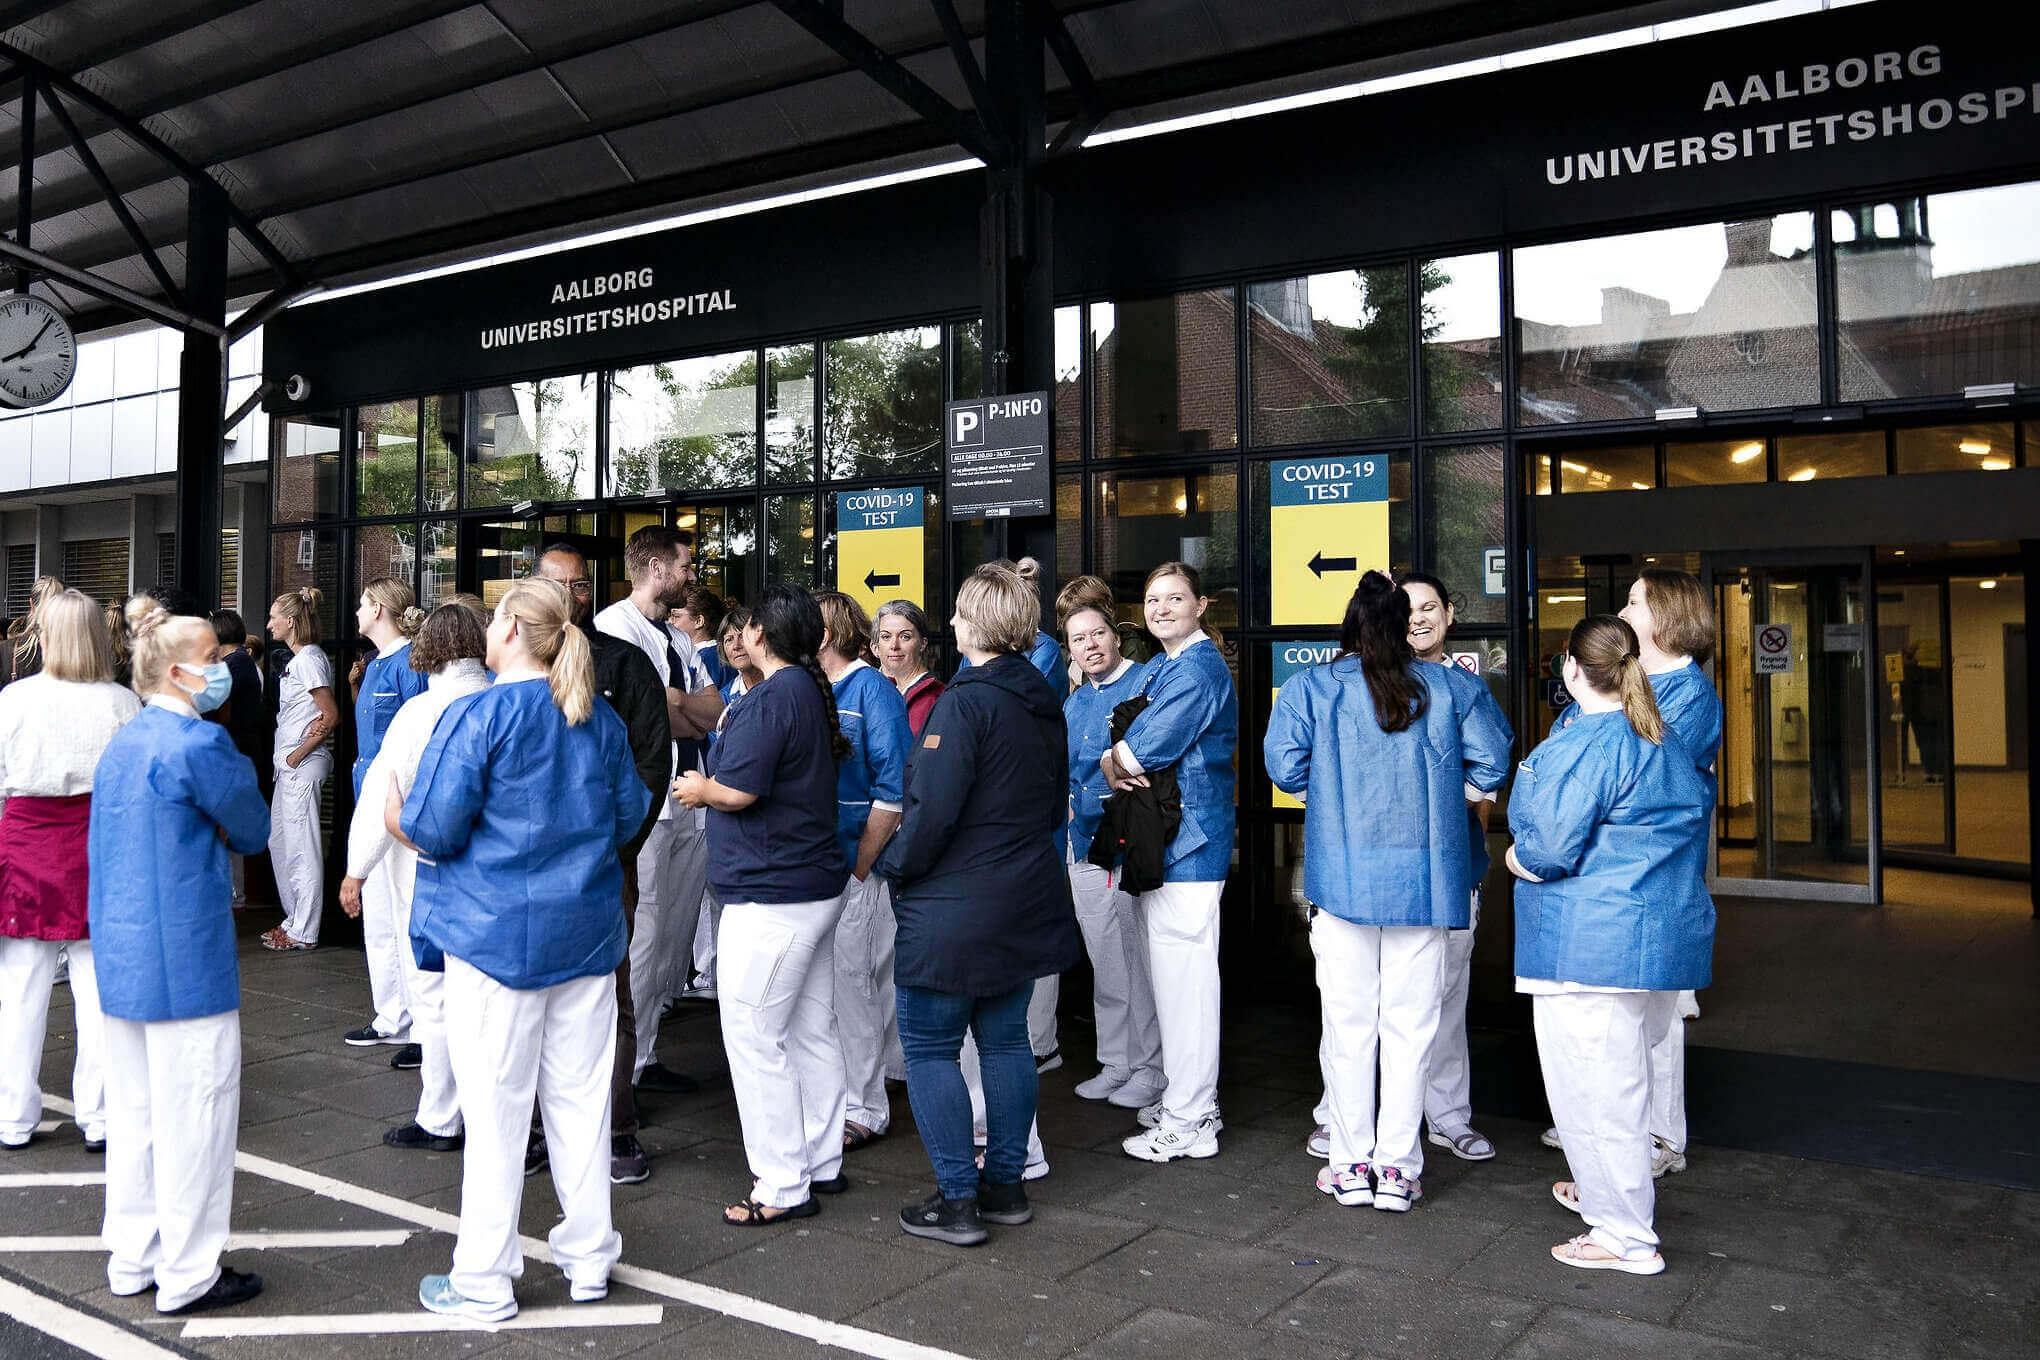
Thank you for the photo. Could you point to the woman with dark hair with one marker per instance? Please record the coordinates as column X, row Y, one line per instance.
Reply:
column 775, row 862
column 1186, row 726
column 1612, row 920
column 899, row 638
column 1387, row 761
column 448, row 652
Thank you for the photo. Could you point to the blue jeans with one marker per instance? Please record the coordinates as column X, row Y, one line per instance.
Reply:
column 932, row 1026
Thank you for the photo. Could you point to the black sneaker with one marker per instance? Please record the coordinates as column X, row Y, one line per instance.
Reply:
column 954, row 1221
column 368, row 1036
column 628, row 1164
column 409, row 1058
column 534, row 1154
column 230, row 1288
column 1003, row 1204
column 659, row 1077
column 414, row 1136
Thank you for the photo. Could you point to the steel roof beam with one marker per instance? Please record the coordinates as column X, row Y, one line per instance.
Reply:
column 171, row 292
column 896, row 80
column 135, row 39
column 53, row 269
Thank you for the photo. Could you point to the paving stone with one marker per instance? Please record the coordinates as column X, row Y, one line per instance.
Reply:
column 405, row 1173
column 1788, row 1235
column 1519, row 1262
column 1214, row 1206
column 1382, row 1314
column 312, row 1136
column 1891, row 1319
column 1423, row 1242
column 1075, row 1178
column 1733, row 1173
column 1180, row 1336
column 382, row 1093
column 302, row 1074
column 979, row 1310
column 1569, row 1334
column 1960, row 1266
column 664, row 1232
column 260, row 1105
column 824, row 1273
column 1895, row 1194
column 1217, row 1280
column 393, row 1346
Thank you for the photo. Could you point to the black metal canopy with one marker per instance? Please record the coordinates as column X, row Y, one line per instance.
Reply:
column 357, row 139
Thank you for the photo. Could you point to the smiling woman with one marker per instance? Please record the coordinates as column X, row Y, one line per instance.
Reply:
column 38, row 353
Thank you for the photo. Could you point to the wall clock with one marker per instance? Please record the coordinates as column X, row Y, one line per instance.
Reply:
column 38, row 353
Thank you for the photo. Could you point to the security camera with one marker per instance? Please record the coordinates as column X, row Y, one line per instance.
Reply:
column 296, row 388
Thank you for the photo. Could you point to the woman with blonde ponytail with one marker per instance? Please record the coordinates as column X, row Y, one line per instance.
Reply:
column 388, row 616
column 306, row 715
column 521, row 802
column 1610, row 817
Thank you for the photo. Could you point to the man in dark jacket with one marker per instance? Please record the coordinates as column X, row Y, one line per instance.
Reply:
column 983, row 905
column 626, row 679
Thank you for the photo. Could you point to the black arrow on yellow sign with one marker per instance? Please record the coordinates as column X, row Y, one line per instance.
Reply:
column 1320, row 564
column 872, row 581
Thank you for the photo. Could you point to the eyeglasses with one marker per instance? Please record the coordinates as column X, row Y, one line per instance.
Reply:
column 581, row 587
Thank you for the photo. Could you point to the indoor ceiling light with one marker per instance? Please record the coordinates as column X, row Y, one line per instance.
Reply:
column 1182, row 504
column 1987, row 583
column 1973, row 445
column 1641, row 486
column 685, row 522
column 1570, row 466
column 1744, row 453
column 1898, row 552
column 1998, row 464
column 1805, row 474
column 1565, row 599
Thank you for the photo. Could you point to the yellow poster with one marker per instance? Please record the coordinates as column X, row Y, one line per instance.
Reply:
column 1327, row 523
column 1289, row 659
column 881, row 549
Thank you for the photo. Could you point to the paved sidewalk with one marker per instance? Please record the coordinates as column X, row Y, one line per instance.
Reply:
column 1230, row 1258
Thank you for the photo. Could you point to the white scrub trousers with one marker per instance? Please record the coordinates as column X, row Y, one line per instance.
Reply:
column 867, row 1018
column 1379, row 986
column 385, row 948
column 1182, row 943
column 1448, row 1095
column 705, row 931
column 1122, row 994
column 1594, row 1049
column 555, row 1045
column 438, row 1101
column 173, row 1107
column 28, row 971
column 672, row 871
column 294, row 851
column 775, row 983
column 1041, row 1007
column 1668, row 1069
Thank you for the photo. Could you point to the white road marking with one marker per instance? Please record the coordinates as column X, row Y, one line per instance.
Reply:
column 15, row 1180
column 106, row 1340
column 368, row 1324
column 241, row 1241
column 743, row 1307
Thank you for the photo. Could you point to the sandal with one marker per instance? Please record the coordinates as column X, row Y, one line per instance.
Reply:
column 855, row 1136
column 275, row 938
column 1567, row 1193
column 756, row 1215
column 1466, row 1145
column 1584, row 1253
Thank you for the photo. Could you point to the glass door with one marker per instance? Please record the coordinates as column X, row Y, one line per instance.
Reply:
column 1797, row 797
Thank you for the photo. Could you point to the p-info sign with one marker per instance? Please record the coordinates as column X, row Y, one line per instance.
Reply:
column 995, row 452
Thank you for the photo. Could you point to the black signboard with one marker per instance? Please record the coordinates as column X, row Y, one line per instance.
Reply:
column 997, row 453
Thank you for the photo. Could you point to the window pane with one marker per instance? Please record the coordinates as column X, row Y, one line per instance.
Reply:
column 1069, row 539
column 533, row 441
column 382, row 550
column 684, row 425
column 440, row 426
column 439, row 579
column 1330, row 356
column 883, row 404
column 1467, row 517
column 790, row 414
column 1163, row 374
column 386, row 459
column 1802, row 458
column 790, row 539
column 508, row 551
column 306, row 557
column 1143, row 521
column 1935, row 294
column 725, row 547
column 1717, row 462
column 1537, row 474
column 1463, row 343
column 1956, row 448
column 1720, row 317
column 967, row 360
column 1401, row 523
column 1624, row 469
column 308, row 466
column 1069, row 382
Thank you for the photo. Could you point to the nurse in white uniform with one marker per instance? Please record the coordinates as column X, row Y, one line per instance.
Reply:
column 448, row 653
column 1610, row 816
column 170, row 798
column 522, row 799
column 306, row 714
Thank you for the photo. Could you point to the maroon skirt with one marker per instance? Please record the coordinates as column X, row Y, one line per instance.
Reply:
column 42, row 867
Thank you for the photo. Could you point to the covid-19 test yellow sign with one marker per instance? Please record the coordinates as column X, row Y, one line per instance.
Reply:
column 1327, row 523
column 880, row 549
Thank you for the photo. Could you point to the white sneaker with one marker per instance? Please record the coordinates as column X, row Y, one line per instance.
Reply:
column 1689, row 1006
column 1048, row 1062
column 1348, row 1185
column 587, row 1293
column 1140, row 1090
column 1664, row 1158
column 1319, row 1144
column 1034, row 1171
column 1550, row 1139
column 1168, row 1145
column 1394, row 1191
column 1104, row 1084
column 1150, row 1117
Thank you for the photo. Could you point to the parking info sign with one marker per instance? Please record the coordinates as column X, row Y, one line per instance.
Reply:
column 997, row 456
column 1327, row 523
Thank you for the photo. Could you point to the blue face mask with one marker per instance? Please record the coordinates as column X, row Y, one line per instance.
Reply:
column 219, row 683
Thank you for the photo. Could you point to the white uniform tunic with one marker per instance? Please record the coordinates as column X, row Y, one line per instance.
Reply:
column 294, row 846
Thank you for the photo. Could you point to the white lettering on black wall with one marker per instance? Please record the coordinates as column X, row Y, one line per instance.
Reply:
column 615, row 316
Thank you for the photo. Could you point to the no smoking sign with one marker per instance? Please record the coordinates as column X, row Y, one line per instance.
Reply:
column 1773, row 651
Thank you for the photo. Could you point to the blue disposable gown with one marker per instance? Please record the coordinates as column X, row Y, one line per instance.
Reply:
column 386, row 683
column 874, row 720
column 1385, row 818
column 1477, row 702
column 1045, row 656
column 1087, row 716
column 167, row 787
column 1192, row 723
column 1691, row 709
column 1616, row 826
column 521, row 816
